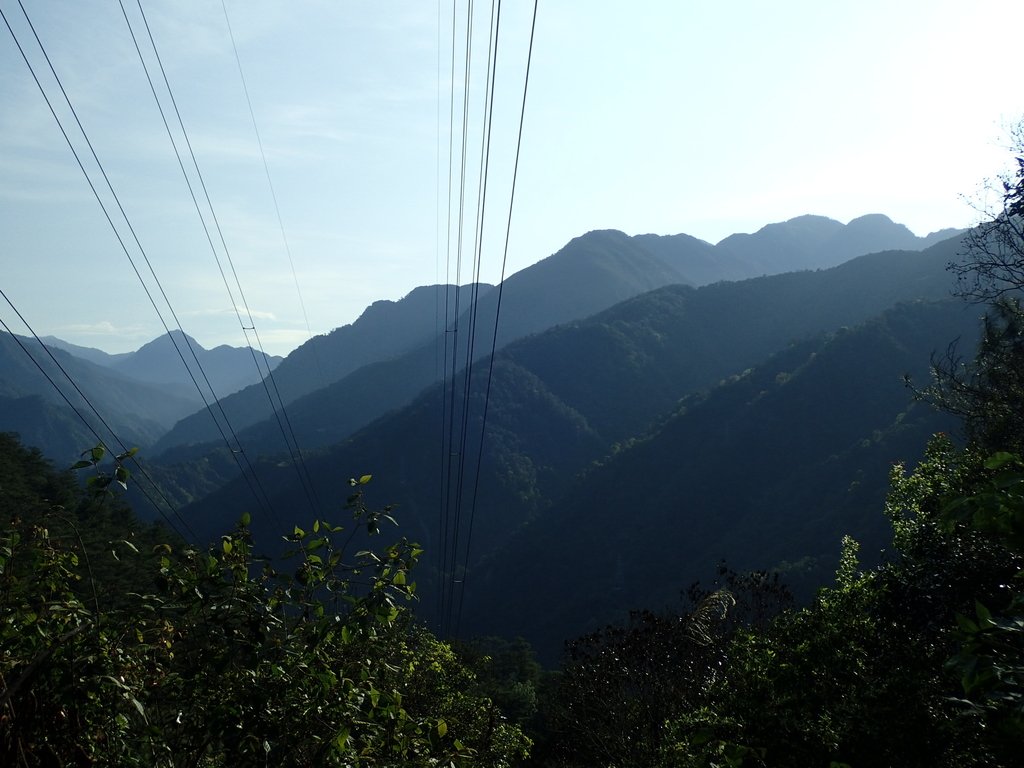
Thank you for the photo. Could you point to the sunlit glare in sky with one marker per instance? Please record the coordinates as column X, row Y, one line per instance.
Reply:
column 653, row 116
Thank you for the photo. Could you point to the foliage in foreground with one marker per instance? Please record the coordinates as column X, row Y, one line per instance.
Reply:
column 212, row 658
column 867, row 675
column 620, row 688
column 917, row 662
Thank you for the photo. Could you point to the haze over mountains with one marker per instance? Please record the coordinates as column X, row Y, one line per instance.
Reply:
column 634, row 379
column 163, row 362
column 141, row 394
column 564, row 399
column 589, row 274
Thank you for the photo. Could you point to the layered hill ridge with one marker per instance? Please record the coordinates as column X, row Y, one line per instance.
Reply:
column 565, row 398
column 160, row 362
column 138, row 412
column 767, row 470
column 140, row 394
column 814, row 242
column 655, row 404
column 228, row 369
column 592, row 272
column 386, row 329
column 93, row 355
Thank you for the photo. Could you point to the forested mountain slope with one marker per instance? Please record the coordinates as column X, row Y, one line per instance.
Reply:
column 384, row 330
column 767, row 470
column 406, row 351
column 560, row 400
column 589, row 274
column 30, row 405
column 627, row 366
column 159, row 362
column 711, row 332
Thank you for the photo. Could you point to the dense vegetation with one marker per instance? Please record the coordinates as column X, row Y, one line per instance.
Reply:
column 122, row 644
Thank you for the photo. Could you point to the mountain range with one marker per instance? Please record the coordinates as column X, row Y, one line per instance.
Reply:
column 139, row 394
column 591, row 273
column 569, row 406
column 170, row 362
column 653, row 403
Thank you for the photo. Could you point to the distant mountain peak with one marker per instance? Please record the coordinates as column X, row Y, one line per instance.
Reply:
column 871, row 218
column 163, row 339
column 818, row 242
column 880, row 223
column 601, row 235
column 810, row 218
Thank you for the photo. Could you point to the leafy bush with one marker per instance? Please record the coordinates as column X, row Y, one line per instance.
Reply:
column 216, row 658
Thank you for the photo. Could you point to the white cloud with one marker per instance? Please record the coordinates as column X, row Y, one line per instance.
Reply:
column 105, row 335
column 281, row 341
column 257, row 314
column 102, row 328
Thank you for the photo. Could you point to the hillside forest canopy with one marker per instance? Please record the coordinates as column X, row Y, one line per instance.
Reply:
column 122, row 644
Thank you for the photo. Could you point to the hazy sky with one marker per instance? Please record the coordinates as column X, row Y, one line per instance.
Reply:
column 677, row 116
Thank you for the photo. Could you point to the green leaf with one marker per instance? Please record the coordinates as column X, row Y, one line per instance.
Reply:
column 245, row 519
column 984, row 615
column 365, row 479
column 139, row 707
column 997, row 460
column 341, row 740
column 442, row 728
column 81, row 464
column 98, row 482
column 965, row 624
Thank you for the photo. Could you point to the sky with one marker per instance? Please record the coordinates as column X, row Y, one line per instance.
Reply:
column 651, row 116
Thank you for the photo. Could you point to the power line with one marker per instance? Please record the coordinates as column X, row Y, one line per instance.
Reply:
column 295, row 454
column 497, row 312
column 264, row 500
column 273, row 193
column 443, row 339
column 457, row 457
column 89, row 426
column 452, row 481
column 291, row 264
column 459, row 512
column 477, row 257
